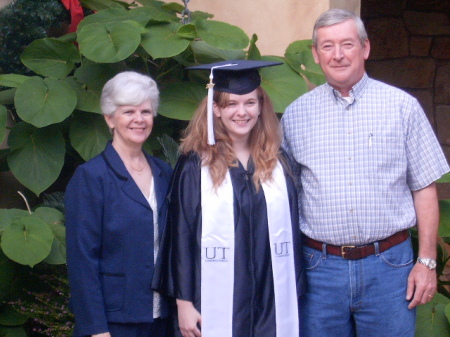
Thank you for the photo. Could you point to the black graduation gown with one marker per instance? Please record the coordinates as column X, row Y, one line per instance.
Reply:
column 178, row 271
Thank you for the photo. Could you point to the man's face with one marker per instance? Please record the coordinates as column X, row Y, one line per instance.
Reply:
column 341, row 55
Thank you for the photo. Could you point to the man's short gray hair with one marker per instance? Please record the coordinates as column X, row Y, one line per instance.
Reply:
column 335, row 16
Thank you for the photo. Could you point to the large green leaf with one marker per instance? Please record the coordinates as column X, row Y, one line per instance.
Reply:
column 187, row 31
column 281, row 83
column 445, row 178
column 253, row 51
column 51, row 57
column 87, row 99
column 444, row 221
column 57, row 254
column 110, row 42
column 55, row 220
column 431, row 320
column 94, row 76
column 10, row 317
column 179, row 100
column 7, row 216
column 163, row 41
column 299, row 56
column 12, row 80
column 42, row 102
column 37, row 155
column 88, row 134
column 50, row 215
column 154, row 13
column 104, row 16
column 7, row 96
column 141, row 15
column 3, row 118
column 205, row 53
column 27, row 240
column 69, row 37
column 221, row 35
column 99, row 5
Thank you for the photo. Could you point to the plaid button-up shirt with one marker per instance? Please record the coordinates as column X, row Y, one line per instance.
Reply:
column 358, row 160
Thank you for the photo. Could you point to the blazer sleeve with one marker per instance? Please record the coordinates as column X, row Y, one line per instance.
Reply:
column 84, row 204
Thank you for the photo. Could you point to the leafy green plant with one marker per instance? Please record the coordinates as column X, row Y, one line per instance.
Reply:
column 433, row 318
column 52, row 101
column 30, row 238
column 46, row 302
column 56, row 107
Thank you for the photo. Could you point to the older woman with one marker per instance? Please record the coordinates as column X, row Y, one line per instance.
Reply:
column 115, row 210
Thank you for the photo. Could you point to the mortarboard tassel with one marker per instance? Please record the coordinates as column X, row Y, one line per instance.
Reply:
column 210, row 119
column 209, row 111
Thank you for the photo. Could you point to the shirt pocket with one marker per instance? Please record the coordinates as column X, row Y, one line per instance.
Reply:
column 385, row 155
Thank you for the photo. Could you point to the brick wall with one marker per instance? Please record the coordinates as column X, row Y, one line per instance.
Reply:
column 410, row 48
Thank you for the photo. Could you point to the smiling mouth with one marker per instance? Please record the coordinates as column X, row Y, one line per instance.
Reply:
column 241, row 121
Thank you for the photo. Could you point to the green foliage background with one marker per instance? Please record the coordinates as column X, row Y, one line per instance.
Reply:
column 51, row 95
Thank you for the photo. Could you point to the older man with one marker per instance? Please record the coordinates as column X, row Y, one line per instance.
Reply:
column 367, row 160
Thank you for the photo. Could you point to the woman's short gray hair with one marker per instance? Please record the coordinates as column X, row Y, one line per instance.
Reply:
column 335, row 16
column 129, row 88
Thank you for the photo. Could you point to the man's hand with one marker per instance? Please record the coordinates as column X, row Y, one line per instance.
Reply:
column 422, row 285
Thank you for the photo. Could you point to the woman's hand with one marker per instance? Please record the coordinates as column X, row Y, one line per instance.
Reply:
column 189, row 319
column 105, row 334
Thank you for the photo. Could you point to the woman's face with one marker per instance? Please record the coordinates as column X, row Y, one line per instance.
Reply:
column 240, row 115
column 131, row 124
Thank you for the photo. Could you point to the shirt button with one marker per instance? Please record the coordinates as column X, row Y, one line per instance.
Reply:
column 352, row 210
column 350, row 183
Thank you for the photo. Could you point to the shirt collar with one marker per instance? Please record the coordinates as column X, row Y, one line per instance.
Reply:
column 355, row 93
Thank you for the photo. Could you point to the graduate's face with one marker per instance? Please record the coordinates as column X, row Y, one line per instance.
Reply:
column 239, row 115
column 131, row 124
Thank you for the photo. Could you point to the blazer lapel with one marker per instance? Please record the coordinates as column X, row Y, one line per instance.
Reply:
column 129, row 187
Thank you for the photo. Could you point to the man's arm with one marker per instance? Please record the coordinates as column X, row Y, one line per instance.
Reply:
column 422, row 282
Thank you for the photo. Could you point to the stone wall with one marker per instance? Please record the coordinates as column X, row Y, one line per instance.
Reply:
column 410, row 48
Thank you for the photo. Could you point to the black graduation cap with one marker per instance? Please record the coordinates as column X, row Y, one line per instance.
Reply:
column 235, row 77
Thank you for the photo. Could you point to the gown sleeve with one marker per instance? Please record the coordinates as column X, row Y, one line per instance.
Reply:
column 291, row 182
column 178, row 269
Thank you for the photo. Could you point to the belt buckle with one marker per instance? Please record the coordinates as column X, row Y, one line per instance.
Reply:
column 343, row 250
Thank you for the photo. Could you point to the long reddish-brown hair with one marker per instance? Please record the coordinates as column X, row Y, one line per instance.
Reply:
column 264, row 140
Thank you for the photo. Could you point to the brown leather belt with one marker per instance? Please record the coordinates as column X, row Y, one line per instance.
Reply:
column 358, row 252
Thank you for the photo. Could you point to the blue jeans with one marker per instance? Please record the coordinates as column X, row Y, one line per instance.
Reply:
column 364, row 297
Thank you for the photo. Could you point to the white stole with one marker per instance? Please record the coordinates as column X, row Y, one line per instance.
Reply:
column 217, row 254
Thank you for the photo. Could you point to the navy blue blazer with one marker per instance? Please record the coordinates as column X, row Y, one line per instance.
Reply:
column 109, row 235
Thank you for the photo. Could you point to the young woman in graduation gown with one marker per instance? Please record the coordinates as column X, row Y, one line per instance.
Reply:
column 230, row 253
